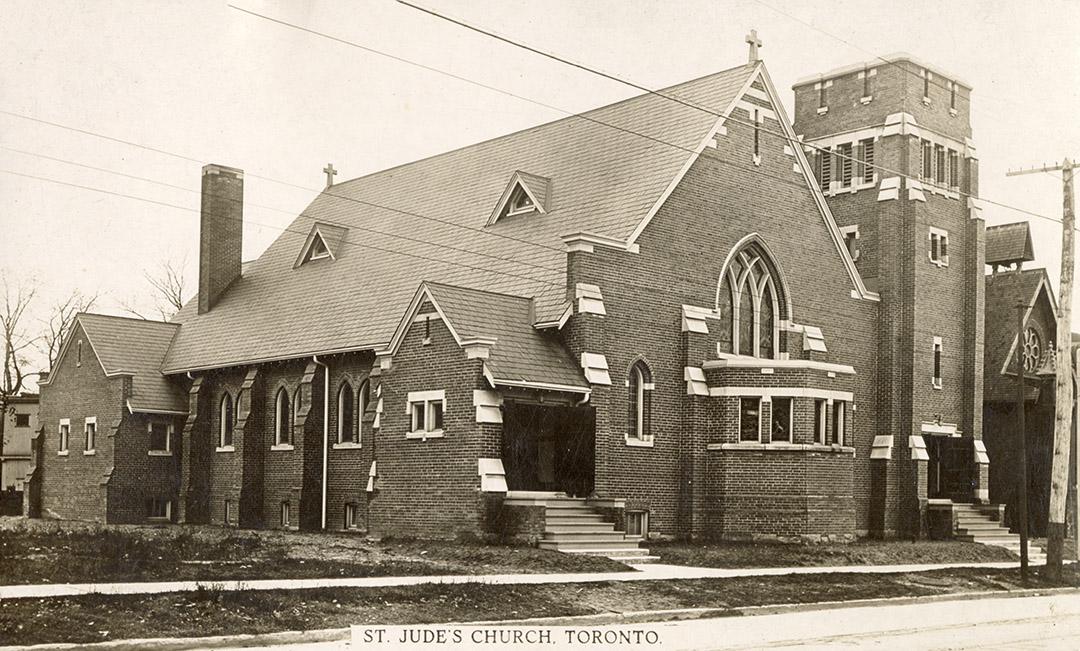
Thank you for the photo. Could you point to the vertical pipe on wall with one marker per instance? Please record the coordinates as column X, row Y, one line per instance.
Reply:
column 325, row 432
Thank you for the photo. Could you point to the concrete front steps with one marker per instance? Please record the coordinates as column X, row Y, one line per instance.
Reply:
column 976, row 524
column 572, row 526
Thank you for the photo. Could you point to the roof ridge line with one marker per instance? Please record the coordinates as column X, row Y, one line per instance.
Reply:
column 572, row 116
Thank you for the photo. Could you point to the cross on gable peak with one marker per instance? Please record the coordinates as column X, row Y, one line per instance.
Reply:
column 755, row 43
column 330, row 174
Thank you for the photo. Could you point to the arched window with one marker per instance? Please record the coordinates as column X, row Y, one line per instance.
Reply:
column 639, row 402
column 750, row 304
column 297, row 404
column 346, row 429
column 226, row 421
column 363, row 401
column 283, row 424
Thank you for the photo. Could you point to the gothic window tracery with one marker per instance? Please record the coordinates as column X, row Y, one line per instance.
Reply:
column 749, row 299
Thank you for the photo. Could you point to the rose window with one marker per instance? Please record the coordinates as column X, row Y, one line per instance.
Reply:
column 1032, row 350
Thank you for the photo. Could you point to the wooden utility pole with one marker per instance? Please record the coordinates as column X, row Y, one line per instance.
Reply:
column 1063, row 399
column 1021, row 429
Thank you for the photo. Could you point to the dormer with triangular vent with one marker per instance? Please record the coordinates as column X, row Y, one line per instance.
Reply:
column 323, row 242
column 524, row 195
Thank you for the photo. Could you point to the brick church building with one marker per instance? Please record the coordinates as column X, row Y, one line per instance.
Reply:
column 683, row 314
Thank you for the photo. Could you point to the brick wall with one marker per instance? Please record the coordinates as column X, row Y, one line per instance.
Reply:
column 140, row 475
column 681, row 255
column 75, row 486
column 775, row 493
column 429, row 487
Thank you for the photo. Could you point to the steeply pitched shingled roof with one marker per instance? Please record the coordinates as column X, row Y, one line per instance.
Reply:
column 1009, row 243
column 521, row 353
column 605, row 178
column 136, row 347
column 1003, row 291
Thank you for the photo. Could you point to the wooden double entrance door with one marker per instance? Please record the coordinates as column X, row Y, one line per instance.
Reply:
column 949, row 471
column 549, row 448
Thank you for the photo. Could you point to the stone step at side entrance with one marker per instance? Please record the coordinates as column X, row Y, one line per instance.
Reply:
column 982, row 524
column 572, row 526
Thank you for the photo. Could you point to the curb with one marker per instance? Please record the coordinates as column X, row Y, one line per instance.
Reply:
column 190, row 643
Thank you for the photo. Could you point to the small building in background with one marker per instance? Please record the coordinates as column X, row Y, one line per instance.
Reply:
column 21, row 420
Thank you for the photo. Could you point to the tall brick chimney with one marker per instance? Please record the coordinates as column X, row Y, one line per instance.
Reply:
column 221, row 232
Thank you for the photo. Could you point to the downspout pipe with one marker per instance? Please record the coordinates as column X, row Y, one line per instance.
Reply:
column 325, row 431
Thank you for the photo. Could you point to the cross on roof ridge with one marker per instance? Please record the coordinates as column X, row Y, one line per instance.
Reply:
column 755, row 43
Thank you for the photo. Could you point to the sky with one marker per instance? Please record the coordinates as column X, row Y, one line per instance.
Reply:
column 200, row 82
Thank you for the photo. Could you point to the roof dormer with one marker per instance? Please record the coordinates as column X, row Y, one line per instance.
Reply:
column 323, row 242
column 524, row 195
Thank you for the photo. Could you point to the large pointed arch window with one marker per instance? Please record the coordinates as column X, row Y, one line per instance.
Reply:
column 750, row 304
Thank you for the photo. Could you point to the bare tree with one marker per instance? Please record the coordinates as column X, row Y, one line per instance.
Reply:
column 60, row 322
column 16, row 342
column 170, row 290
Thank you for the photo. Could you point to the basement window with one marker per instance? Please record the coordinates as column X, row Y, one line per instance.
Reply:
column 426, row 409
column 159, row 509
column 637, row 524
column 350, row 516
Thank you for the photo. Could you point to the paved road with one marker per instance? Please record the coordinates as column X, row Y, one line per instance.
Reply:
column 999, row 624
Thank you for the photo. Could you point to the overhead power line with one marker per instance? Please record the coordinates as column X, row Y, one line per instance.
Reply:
column 581, row 66
column 166, row 204
column 282, row 211
column 497, row 90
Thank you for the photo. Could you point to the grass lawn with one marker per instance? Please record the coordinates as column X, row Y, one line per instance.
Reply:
column 864, row 552
column 94, row 618
column 35, row 551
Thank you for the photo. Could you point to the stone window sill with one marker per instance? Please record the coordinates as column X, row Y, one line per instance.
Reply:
column 347, row 445
column 225, row 448
column 89, row 453
column 866, row 100
column 822, row 110
column 423, row 436
column 782, row 447
column 158, row 520
column 62, row 453
column 634, row 442
column 160, row 453
column 281, row 447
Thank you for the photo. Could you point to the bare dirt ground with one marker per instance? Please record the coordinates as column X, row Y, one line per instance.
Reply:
column 37, row 551
column 863, row 552
column 95, row 618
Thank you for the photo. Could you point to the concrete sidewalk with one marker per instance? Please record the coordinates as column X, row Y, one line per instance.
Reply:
column 651, row 572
